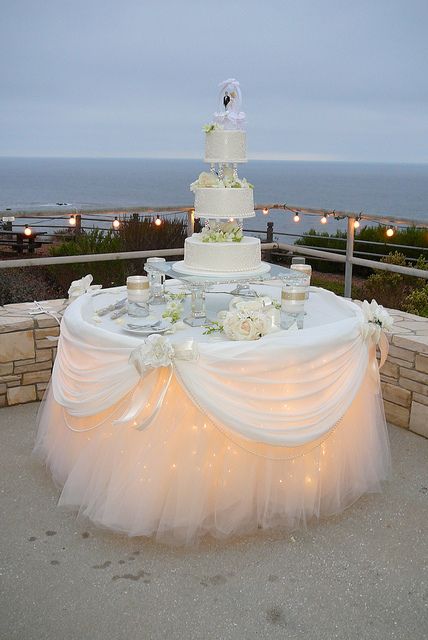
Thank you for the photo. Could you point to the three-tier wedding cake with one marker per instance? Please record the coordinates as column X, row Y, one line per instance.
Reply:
column 223, row 199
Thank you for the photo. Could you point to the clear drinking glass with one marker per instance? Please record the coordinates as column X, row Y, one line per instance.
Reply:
column 138, row 293
column 298, row 264
column 295, row 292
column 156, row 281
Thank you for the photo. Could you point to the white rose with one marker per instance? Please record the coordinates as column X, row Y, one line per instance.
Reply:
column 243, row 326
column 208, row 179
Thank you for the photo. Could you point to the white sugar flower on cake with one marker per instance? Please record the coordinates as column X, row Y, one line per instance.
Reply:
column 222, row 232
column 212, row 180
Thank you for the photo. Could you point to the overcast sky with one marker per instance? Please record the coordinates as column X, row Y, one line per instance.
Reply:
column 321, row 80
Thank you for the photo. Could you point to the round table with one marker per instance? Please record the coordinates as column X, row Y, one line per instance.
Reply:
column 213, row 436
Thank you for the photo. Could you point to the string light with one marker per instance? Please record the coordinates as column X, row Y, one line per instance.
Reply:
column 356, row 223
column 265, row 211
column 115, row 224
column 158, row 221
column 323, row 220
column 296, row 217
column 390, row 232
column 27, row 231
column 72, row 221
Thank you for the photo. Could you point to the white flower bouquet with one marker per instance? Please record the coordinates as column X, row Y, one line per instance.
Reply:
column 246, row 320
column 376, row 320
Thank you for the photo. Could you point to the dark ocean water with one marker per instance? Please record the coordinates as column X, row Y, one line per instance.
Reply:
column 39, row 183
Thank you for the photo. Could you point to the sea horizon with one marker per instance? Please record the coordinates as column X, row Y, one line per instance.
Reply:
column 29, row 184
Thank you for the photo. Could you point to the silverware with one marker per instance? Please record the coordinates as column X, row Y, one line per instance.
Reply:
column 120, row 312
column 143, row 327
column 112, row 307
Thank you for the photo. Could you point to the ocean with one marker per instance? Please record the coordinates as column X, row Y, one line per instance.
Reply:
column 29, row 184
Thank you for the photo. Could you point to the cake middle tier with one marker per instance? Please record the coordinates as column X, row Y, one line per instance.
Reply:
column 228, row 202
column 225, row 146
column 222, row 257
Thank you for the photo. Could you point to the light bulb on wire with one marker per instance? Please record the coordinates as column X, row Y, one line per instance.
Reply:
column 390, row 232
column 27, row 231
column 115, row 224
column 296, row 217
column 356, row 223
column 72, row 221
column 158, row 221
column 323, row 220
column 265, row 211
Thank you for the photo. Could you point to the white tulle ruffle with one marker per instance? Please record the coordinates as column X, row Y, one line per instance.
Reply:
column 184, row 477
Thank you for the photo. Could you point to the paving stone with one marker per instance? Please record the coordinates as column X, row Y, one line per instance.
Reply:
column 25, row 362
column 406, row 383
column 43, row 355
column 397, row 415
column 19, row 395
column 9, row 378
column 10, row 324
column 38, row 366
column 396, row 394
column 418, row 397
column 418, row 376
column 418, row 343
column 44, row 321
column 36, row 376
column 401, row 363
column 421, row 363
column 419, row 419
column 45, row 344
column 390, row 369
column 3, row 387
column 44, row 333
column 403, row 354
column 3, row 401
column 16, row 346
column 5, row 369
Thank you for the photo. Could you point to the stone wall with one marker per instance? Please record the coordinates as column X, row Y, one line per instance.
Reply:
column 27, row 351
column 28, row 348
column 404, row 379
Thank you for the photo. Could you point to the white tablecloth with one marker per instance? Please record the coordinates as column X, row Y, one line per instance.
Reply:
column 243, row 435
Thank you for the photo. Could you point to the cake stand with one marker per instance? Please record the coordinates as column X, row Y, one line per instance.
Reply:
column 199, row 284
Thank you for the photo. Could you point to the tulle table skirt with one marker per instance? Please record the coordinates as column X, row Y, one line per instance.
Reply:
column 185, row 477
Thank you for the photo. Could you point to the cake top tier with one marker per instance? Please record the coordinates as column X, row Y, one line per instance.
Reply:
column 229, row 115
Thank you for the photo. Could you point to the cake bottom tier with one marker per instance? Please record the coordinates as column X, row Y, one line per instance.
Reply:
column 222, row 257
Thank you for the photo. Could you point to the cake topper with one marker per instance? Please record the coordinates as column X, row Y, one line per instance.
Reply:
column 229, row 115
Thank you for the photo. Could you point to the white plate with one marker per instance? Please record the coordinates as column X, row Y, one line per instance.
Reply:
column 180, row 267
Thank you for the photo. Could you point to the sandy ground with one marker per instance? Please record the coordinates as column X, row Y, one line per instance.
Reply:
column 360, row 575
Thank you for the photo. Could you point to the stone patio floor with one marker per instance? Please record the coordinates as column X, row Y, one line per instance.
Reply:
column 360, row 575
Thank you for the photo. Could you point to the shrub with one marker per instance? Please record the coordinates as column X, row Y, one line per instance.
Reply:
column 417, row 302
column 394, row 290
column 26, row 285
column 133, row 235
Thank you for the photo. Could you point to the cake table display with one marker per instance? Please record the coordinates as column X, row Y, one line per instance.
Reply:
column 223, row 199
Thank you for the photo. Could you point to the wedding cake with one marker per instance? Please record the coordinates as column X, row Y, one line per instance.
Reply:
column 223, row 199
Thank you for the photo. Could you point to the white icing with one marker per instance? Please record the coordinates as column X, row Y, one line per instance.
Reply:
column 212, row 202
column 222, row 257
column 225, row 146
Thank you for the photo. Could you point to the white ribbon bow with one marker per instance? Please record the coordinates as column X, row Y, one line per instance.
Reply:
column 376, row 321
column 79, row 287
column 155, row 353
